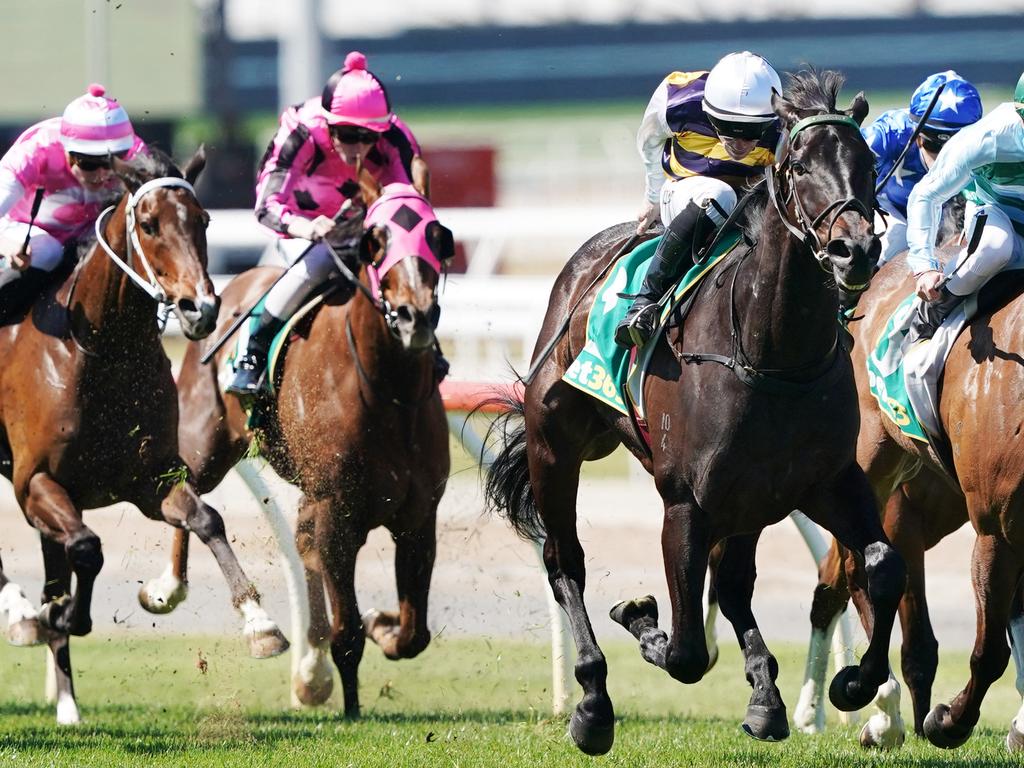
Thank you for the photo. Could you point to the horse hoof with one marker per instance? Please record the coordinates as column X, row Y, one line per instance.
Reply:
column 880, row 732
column 938, row 727
column 766, row 723
column 846, row 692
column 267, row 643
column 1014, row 738
column 314, row 692
column 592, row 737
column 25, row 633
column 162, row 594
column 625, row 612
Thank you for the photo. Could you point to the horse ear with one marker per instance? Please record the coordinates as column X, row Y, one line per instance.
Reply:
column 858, row 108
column 195, row 165
column 369, row 187
column 784, row 110
column 373, row 245
column 126, row 172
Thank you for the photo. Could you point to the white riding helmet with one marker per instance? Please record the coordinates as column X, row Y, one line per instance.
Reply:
column 738, row 95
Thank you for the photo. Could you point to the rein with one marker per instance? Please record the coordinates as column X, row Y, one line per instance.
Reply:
column 365, row 377
column 152, row 287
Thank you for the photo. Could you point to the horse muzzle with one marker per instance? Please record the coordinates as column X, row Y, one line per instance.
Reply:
column 853, row 262
column 198, row 316
column 414, row 327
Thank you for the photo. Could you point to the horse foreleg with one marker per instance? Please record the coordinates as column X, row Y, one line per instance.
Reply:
column 339, row 543
column 404, row 635
column 22, row 625
column 766, row 712
column 313, row 681
column 60, row 688
column 827, row 606
column 163, row 593
column 995, row 571
column 848, row 509
column 182, row 507
column 49, row 508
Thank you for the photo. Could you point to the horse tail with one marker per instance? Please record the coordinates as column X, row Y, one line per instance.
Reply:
column 507, row 489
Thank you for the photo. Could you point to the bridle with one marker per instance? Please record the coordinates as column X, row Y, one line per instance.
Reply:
column 150, row 286
column 806, row 226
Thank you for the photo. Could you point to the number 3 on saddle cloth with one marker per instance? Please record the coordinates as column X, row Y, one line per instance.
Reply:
column 603, row 368
column 905, row 378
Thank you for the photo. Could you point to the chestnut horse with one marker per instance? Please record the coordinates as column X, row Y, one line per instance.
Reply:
column 980, row 414
column 734, row 447
column 357, row 423
column 88, row 411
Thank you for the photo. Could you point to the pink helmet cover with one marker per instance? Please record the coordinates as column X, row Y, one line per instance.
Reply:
column 353, row 96
column 95, row 124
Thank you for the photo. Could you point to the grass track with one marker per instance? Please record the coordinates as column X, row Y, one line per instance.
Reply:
column 465, row 702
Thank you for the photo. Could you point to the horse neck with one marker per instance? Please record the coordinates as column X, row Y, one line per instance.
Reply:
column 394, row 373
column 107, row 308
column 789, row 316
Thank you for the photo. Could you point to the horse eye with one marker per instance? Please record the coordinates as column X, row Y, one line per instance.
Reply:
column 798, row 168
column 149, row 226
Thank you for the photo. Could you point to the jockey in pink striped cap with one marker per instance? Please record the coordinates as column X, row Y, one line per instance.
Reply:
column 310, row 170
column 64, row 162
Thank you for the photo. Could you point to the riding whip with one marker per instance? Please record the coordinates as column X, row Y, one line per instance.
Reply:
column 913, row 137
column 36, row 202
column 208, row 355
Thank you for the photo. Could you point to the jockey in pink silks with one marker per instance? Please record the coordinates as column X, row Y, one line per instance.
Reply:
column 310, row 170
column 64, row 162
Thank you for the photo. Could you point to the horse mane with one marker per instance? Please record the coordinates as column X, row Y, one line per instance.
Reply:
column 154, row 164
column 812, row 90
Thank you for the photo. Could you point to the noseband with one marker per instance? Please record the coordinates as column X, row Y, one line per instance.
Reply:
column 805, row 228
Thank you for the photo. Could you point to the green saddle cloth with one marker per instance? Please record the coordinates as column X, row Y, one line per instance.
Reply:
column 602, row 367
column 886, row 374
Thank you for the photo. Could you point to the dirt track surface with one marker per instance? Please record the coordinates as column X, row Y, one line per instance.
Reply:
column 486, row 581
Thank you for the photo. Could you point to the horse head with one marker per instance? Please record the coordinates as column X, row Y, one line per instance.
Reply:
column 826, row 172
column 404, row 248
column 165, row 237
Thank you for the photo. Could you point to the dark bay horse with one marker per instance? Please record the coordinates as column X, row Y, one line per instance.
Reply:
column 732, row 449
column 980, row 412
column 88, row 407
column 358, row 425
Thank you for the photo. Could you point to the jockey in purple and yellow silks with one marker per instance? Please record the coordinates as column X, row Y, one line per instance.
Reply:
column 310, row 170
column 704, row 136
column 67, row 160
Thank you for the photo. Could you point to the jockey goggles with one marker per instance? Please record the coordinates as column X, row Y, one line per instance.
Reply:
column 749, row 131
column 353, row 134
column 89, row 163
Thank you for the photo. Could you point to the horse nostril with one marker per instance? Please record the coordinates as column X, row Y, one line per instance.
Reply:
column 406, row 313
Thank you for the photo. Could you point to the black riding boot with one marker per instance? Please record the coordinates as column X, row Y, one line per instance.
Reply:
column 251, row 367
column 673, row 256
column 18, row 289
column 930, row 314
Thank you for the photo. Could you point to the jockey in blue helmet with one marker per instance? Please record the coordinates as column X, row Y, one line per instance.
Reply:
column 959, row 105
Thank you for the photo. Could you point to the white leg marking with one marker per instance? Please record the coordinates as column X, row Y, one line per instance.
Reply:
column 885, row 729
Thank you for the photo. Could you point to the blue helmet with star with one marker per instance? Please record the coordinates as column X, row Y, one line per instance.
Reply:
column 959, row 105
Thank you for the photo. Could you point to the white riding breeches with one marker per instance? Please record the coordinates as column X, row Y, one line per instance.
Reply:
column 702, row 190
column 302, row 276
column 999, row 248
column 47, row 251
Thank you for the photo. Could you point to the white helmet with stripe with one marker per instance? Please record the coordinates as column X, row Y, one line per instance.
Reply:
column 738, row 95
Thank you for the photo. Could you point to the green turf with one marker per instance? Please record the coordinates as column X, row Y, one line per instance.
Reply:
column 464, row 702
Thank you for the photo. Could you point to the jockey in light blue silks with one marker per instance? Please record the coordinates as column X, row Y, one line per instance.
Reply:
column 959, row 105
column 989, row 157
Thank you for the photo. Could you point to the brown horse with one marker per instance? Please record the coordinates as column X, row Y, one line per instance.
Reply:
column 735, row 446
column 358, row 424
column 980, row 414
column 88, row 413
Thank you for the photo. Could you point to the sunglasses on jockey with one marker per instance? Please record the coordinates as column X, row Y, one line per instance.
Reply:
column 729, row 129
column 354, row 134
column 89, row 163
